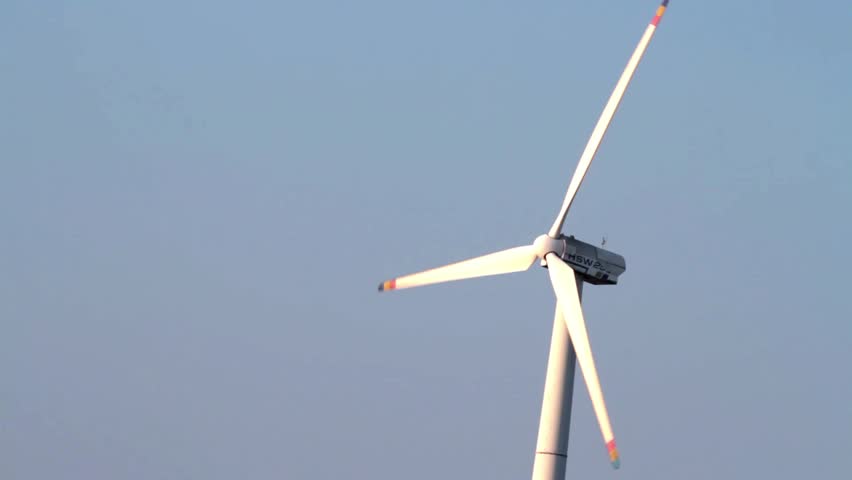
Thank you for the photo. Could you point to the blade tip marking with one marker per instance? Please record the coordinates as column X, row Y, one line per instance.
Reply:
column 614, row 457
column 660, row 11
column 389, row 285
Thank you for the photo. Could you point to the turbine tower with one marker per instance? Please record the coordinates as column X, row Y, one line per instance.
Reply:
column 570, row 263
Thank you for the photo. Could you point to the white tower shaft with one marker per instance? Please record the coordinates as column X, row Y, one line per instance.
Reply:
column 552, row 445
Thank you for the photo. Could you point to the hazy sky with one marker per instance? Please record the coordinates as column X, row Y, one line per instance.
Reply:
column 199, row 198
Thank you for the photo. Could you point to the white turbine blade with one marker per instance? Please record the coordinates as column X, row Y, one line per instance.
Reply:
column 604, row 121
column 506, row 261
column 565, row 286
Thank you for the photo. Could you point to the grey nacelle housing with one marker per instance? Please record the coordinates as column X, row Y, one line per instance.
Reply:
column 596, row 265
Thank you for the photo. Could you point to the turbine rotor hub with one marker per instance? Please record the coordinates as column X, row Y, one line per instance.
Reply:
column 545, row 244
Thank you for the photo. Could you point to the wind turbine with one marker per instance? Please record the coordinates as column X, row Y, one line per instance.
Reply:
column 570, row 262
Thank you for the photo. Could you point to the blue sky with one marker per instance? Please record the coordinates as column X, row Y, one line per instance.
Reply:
column 199, row 198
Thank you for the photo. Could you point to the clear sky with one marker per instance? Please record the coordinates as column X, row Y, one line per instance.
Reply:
column 199, row 198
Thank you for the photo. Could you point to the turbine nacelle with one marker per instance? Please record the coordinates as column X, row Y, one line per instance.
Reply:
column 594, row 264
